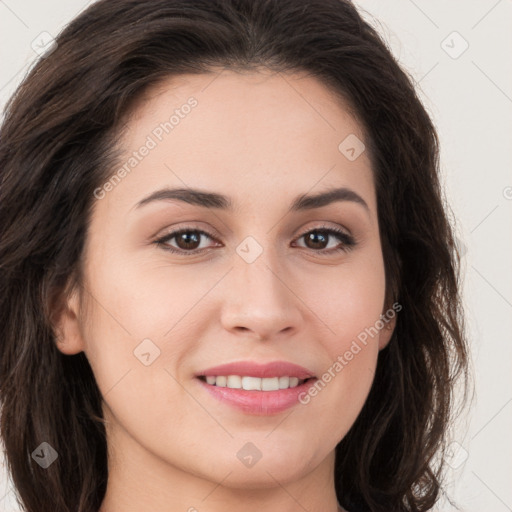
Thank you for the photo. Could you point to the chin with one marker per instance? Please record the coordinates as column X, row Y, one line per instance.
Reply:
column 273, row 466
column 262, row 478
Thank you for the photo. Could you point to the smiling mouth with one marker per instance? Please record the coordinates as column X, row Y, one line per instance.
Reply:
column 249, row 383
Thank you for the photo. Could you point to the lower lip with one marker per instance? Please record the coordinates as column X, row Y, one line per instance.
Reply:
column 260, row 403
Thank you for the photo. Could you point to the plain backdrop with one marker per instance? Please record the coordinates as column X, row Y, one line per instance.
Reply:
column 458, row 53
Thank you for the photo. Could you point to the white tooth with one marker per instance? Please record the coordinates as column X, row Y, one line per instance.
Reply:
column 294, row 382
column 270, row 384
column 234, row 381
column 250, row 383
column 284, row 382
column 221, row 381
column 254, row 383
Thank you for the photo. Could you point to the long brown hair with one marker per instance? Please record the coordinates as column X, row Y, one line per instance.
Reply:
column 57, row 144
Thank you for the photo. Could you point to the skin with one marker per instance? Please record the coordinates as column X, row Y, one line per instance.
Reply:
column 261, row 138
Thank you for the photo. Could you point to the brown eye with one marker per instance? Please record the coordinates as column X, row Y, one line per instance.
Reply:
column 319, row 239
column 186, row 240
column 316, row 240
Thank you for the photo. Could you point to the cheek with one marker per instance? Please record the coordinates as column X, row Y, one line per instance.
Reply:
column 349, row 305
column 138, row 299
column 142, row 312
column 131, row 362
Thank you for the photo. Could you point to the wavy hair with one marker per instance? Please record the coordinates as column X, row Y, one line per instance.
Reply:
column 58, row 143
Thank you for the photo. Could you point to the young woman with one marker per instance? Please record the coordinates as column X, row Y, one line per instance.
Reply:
column 228, row 277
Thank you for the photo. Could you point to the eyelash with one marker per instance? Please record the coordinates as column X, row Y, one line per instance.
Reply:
column 348, row 242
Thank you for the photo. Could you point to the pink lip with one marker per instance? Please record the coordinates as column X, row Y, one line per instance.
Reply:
column 254, row 402
column 259, row 403
column 251, row 369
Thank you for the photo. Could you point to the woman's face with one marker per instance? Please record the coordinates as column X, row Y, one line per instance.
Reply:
column 257, row 282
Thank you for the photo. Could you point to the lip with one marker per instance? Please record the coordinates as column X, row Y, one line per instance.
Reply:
column 252, row 369
column 258, row 403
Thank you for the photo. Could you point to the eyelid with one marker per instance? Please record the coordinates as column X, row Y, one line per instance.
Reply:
column 209, row 231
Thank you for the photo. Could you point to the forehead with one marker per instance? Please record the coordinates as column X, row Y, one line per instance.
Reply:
column 230, row 100
column 259, row 135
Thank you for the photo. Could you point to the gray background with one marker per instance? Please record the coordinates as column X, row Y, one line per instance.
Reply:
column 469, row 96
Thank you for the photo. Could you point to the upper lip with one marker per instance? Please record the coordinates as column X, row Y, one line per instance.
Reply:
column 253, row 369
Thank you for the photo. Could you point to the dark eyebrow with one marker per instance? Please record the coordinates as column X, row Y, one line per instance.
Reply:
column 221, row 202
column 308, row 202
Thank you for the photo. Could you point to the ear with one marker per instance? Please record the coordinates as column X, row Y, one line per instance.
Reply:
column 65, row 320
column 387, row 331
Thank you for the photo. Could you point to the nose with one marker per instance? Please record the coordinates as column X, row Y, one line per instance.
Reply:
column 259, row 300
